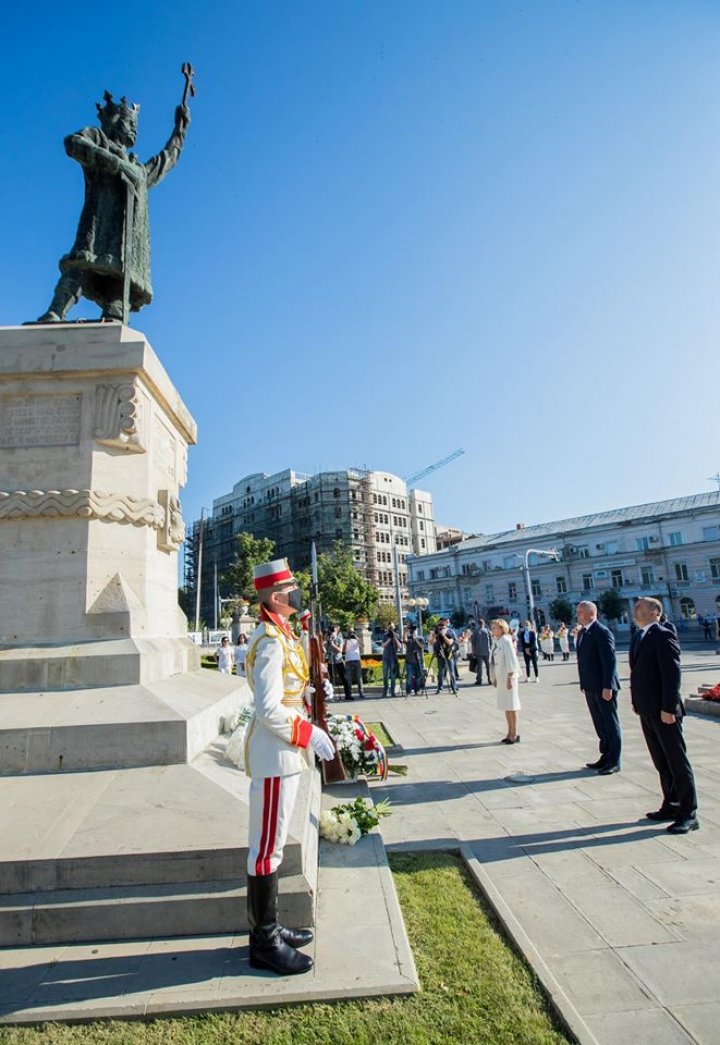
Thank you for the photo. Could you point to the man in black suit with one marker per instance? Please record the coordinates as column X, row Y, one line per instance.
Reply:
column 655, row 692
column 527, row 641
column 597, row 668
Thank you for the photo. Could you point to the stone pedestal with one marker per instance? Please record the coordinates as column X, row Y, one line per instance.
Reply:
column 105, row 714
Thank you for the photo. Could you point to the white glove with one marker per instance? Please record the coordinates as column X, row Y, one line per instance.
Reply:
column 321, row 744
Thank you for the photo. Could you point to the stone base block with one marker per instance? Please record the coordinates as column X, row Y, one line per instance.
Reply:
column 140, row 852
column 85, row 665
column 117, row 726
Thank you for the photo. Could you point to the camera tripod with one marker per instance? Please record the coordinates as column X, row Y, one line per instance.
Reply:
column 449, row 667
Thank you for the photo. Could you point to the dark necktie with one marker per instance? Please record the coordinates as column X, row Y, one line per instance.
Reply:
column 580, row 636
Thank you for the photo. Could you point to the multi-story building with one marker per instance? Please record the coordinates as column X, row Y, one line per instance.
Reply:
column 372, row 513
column 668, row 549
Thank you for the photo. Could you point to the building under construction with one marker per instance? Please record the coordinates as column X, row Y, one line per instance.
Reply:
column 372, row 513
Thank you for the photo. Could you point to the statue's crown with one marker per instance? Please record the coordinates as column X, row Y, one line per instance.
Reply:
column 111, row 108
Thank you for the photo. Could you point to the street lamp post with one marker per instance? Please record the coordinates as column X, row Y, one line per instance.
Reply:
column 550, row 553
column 419, row 604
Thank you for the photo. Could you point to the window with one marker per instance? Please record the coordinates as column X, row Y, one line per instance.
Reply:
column 422, row 543
column 512, row 591
column 421, row 575
column 587, row 581
column 647, row 575
column 419, row 508
column 616, row 578
column 583, row 551
column 711, row 533
column 715, row 569
column 642, row 543
column 434, row 573
column 489, row 593
column 560, row 585
column 675, row 539
column 509, row 561
column 338, row 513
column 446, row 571
column 687, row 608
column 536, row 589
column 422, row 525
column 612, row 547
column 681, row 571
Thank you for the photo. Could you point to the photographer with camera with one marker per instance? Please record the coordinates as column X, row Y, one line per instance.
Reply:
column 414, row 660
column 391, row 647
column 444, row 647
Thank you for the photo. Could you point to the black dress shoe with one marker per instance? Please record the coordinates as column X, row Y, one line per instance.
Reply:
column 662, row 815
column 683, row 825
column 608, row 770
column 600, row 764
column 296, row 937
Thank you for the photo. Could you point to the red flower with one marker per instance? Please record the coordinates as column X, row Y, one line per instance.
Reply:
column 359, row 734
column 370, row 744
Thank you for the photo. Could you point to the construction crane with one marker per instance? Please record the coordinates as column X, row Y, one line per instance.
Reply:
column 433, row 467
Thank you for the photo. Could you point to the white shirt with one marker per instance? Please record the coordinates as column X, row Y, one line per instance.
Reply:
column 352, row 649
column 646, row 629
column 226, row 658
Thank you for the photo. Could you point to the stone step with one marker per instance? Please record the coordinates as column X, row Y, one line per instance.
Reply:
column 141, row 912
column 94, row 665
column 159, row 723
column 135, row 827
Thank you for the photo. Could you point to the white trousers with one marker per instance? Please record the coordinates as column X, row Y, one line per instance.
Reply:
column 272, row 800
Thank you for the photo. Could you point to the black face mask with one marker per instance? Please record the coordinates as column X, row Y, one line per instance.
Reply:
column 294, row 598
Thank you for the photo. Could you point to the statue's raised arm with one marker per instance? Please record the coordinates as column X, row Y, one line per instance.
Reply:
column 110, row 260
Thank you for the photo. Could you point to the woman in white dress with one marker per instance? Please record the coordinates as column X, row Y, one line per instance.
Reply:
column 506, row 674
column 564, row 640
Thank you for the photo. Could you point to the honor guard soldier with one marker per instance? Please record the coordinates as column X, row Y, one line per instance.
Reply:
column 279, row 744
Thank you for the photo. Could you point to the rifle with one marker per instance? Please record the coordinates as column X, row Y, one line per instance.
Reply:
column 333, row 772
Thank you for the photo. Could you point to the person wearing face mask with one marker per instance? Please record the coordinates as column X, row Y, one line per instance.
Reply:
column 280, row 743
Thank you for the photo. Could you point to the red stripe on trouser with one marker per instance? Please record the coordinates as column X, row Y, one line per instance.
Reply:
column 266, row 816
column 273, row 823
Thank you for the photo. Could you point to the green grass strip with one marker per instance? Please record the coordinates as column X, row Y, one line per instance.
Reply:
column 475, row 989
column 381, row 733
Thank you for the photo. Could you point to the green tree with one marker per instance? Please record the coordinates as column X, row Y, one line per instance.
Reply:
column 238, row 577
column 345, row 595
column 458, row 618
column 611, row 604
column 562, row 609
column 385, row 613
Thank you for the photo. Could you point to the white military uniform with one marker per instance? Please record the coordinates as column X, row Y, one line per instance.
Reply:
column 276, row 740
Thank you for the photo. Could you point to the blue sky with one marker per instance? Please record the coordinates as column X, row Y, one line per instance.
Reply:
column 403, row 227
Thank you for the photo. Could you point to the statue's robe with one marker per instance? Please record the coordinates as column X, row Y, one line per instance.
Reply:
column 96, row 258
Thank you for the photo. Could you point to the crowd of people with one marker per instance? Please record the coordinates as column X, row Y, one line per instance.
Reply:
column 493, row 655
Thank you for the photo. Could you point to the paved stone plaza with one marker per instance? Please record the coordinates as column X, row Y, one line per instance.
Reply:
column 624, row 917
column 620, row 920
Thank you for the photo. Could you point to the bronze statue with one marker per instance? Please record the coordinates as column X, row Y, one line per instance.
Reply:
column 110, row 260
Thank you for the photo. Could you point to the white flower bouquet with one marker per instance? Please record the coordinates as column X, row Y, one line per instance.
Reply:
column 346, row 824
column 236, row 725
column 361, row 752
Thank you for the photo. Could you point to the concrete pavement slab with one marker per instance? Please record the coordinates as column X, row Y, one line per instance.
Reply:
column 573, row 859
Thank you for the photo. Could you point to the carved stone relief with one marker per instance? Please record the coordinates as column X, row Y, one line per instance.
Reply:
column 82, row 504
column 120, row 416
column 172, row 534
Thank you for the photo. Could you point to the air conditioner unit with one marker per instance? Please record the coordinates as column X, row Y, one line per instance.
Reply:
column 599, row 546
column 601, row 574
column 653, row 540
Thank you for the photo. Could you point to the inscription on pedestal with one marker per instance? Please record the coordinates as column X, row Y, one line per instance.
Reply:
column 39, row 420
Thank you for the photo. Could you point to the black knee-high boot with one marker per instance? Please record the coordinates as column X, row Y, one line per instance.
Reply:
column 269, row 947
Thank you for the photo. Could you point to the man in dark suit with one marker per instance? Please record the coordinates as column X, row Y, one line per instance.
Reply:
column 481, row 640
column 527, row 641
column 597, row 668
column 655, row 692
